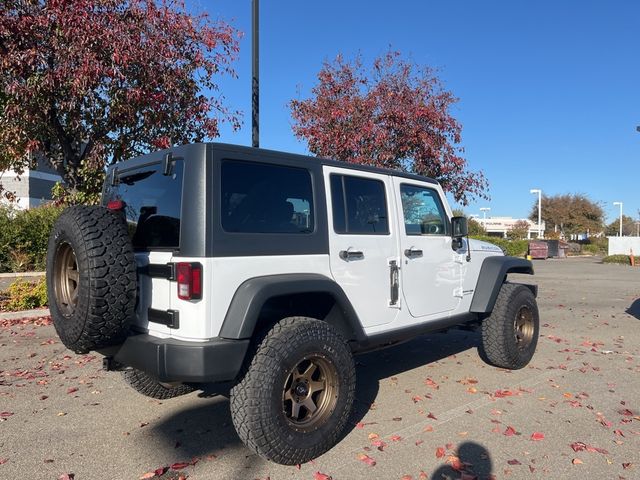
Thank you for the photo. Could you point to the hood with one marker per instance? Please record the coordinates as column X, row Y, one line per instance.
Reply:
column 480, row 246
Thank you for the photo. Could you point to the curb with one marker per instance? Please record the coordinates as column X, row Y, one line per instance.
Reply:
column 40, row 312
column 22, row 274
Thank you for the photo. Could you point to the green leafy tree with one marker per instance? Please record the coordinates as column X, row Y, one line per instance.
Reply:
column 628, row 227
column 90, row 82
column 570, row 213
column 476, row 228
column 518, row 230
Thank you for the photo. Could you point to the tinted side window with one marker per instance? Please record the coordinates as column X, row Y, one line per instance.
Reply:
column 423, row 211
column 264, row 198
column 152, row 204
column 359, row 205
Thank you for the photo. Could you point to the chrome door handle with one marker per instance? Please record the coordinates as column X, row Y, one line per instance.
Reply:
column 350, row 254
column 413, row 252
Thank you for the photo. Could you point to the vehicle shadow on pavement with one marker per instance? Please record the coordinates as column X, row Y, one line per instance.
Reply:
column 206, row 429
column 474, row 461
column 634, row 309
column 375, row 366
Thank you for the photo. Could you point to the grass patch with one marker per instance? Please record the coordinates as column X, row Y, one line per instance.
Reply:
column 621, row 259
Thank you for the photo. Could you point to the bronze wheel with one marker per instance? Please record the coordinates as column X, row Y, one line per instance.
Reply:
column 310, row 393
column 510, row 333
column 523, row 327
column 293, row 401
column 66, row 279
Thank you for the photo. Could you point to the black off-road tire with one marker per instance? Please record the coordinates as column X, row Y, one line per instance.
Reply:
column 259, row 407
column 91, row 278
column 145, row 384
column 510, row 333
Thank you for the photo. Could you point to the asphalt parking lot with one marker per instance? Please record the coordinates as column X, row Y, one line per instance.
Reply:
column 426, row 409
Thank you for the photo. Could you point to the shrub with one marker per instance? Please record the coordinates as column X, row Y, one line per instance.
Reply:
column 24, row 236
column 515, row 248
column 25, row 295
column 591, row 249
column 622, row 259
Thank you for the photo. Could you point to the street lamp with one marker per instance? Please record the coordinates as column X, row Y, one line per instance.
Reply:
column 620, row 204
column 484, row 211
column 539, row 192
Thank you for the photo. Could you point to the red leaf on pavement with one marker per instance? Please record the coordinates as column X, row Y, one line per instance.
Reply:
column 619, row 432
column 179, row 465
column 536, row 436
column 359, row 425
column 578, row 446
column 503, row 393
column 148, row 475
column 367, row 459
column 455, row 463
column 72, row 390
column 406, row 477
column 577, row 461
column 66, row 476
column 513, row 462
column 429, row 382
column 440, row 452
column 510, row 431
column 419, row 442
column 3, row 461
column 626, row 412
column 396, row 438
column 379, row 444
column 432, row 416
column 161, row 471
column 627, row 465
column 321, row 476
column 5, row 414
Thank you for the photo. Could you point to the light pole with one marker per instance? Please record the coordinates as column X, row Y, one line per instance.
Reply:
column 539, row 192
column 620, row 204
column 484, row 211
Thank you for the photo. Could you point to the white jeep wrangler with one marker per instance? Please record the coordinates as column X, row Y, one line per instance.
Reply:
column 267, row 272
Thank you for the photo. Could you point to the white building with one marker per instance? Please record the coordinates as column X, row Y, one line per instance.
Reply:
column 33, row 187
column 499, row 226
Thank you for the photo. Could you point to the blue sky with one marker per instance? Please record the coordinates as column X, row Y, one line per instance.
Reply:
column 549, row 90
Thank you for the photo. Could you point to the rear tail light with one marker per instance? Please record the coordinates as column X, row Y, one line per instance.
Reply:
column 115, row 205
column 189, row 276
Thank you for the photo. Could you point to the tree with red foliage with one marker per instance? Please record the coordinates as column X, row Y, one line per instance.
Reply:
column 86, row 82
column 398, row 116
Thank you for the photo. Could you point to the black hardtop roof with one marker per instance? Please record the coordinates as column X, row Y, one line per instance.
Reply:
column 322, row 161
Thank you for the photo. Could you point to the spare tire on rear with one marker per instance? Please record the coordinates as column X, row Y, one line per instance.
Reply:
column 91, row 278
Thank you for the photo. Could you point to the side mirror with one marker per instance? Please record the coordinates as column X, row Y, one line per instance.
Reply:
column 459, row 227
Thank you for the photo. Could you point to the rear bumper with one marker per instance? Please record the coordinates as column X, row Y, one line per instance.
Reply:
column 218, row 360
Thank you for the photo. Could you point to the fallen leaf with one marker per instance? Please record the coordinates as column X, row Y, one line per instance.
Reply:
column 3, row 461
column 432, row 416
column 359, row 425
column 396, row 438
column 148, row 475
column 510, row 431
column 536, row 436
column 514, row 462
column 373, row 436
column 627, row 465
column 5, row 414
column 406, row 477
column 67, row 476
column 577, row 461
column 161, row 471
column 440, row 452
column 72, row 390
column 619, row 432
column 367, row 459
column 179, row 465
column 321, row 476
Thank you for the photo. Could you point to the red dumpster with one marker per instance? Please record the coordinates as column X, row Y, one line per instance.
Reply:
column 538, row 250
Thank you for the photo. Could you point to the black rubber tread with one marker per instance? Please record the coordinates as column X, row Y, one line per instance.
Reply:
column 499, row 347
column 256, row 400
column 107, row 284
column 145, row 384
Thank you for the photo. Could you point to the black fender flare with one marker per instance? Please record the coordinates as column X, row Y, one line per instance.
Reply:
column 248, row 300
column 493, row 274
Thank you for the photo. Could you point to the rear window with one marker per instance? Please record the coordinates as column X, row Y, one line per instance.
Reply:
column 266, row 198
column 152, row 204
